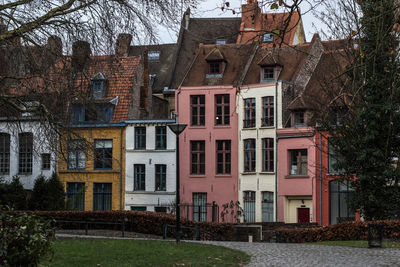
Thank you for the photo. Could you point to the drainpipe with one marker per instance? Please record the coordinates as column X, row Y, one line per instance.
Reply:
column 120, row 170
column 320, row 178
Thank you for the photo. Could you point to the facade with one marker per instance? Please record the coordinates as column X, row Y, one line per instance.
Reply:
column 150, row 176
column 26, row 150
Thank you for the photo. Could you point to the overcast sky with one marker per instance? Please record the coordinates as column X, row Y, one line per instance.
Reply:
column 212, row 8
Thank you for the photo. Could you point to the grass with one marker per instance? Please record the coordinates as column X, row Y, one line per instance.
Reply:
column 110, row 252
column 357, row 244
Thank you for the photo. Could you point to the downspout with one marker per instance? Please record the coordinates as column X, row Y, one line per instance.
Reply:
column 120, row 170
column 320, row 178
column 276, row 152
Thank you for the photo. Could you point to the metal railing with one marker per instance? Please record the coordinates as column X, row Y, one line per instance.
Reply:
column 87, row 223
column 198, row 233
column 208, row 212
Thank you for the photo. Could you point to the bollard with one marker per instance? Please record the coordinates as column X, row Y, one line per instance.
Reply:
column 250, row 239
column 278, row 237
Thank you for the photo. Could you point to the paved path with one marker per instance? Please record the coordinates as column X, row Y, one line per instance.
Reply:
column 271, row 254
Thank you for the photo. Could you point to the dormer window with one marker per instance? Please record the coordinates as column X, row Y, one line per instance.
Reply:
column 214, row 67
column 220, row 41
column 154, row 55
column 299, row 118
column 268, row 38
column 269, row 73
column 99, row 86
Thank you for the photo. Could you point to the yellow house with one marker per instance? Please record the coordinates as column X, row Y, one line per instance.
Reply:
column 107, row 90
column 93, row 167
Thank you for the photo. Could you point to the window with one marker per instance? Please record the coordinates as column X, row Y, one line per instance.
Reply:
column 161, row 177
column 160, row 209
column 103, row 154
column 298, row 162
column 220, row 41
column 161, row 137
column 299, row 118
column 154, row 55
column 46, row 161
column 102, row 196
column 269, row 73
column 249, row 113
column 333, row 159
column 4, row 153
column 76, row 155
column 268, row 38
column 268, row 111
column 140, row 137
column 75, row 196
column 198, row 155
column 268, row 154
column 139, row 208
column 198, row 110
column 223, row 156
column 249, row 155
column 267, row 206
column 214, row 67
column 222, row 109
column 104, row 112
column 25, row 153
column 98, row 91
column 249, row 200
column 340, row 195
column 140, row 177
column 199, row 207
column 78, row 113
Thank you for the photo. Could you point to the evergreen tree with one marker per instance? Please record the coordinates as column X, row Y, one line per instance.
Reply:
column 369, row 140
column 40, row 198
column 55, row 190
column 13, row 194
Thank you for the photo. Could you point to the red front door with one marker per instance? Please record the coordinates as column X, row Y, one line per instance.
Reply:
column 303, row 215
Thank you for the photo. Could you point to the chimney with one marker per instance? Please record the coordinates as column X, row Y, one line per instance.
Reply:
column 187, row 17
column 80, row 54
column 123, row 44
column 54, row 45
column 250, row 13
column 144, row 89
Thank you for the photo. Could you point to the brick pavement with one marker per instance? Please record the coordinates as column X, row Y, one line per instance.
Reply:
column 271, row 254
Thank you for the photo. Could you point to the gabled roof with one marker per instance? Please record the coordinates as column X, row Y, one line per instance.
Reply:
column 214, row 54
column 268, row 60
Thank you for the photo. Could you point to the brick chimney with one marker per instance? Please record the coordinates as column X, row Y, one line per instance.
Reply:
column 54, row 45
column 80, row 54
column 250, row 13
column 122, row 45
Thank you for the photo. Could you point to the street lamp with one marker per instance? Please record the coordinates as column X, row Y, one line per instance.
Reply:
column 177, row 129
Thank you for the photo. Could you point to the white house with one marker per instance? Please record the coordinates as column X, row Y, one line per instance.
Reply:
column 150, row 179
column 27, row 150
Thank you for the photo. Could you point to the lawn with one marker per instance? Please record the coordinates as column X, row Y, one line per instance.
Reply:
column 111, row 252
column 357, row 244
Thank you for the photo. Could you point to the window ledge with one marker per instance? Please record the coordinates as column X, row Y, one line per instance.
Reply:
column 265, row 172
column 197, row 127
column 222, row 126
column 197, row 176
column 267, row 127
column 89, row 171
column 151, row 192
column 248, row 173
column 297, row 176
column 250, row 128
column 217, row 75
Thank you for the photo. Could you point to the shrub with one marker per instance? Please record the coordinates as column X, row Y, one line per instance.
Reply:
column 47, row 194
column 145, row 222
column 24, row 239
column 12, row 194
column 342, row 231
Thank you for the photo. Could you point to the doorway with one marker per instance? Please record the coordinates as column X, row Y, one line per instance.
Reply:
column 303, row 215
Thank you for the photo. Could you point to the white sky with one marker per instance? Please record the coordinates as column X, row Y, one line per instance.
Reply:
column 212, row 8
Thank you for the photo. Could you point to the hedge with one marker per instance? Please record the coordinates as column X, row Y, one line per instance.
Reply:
column 342, row 231
column 145, row 222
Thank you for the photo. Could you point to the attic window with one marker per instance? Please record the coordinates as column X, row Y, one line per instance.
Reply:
column 268, row 73
column 220, row 41
column 154, row 55
column 214, row 67
column 299, row 118
column 99, row 86
column 268, row 38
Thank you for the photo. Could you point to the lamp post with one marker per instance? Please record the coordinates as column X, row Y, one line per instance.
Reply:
column 177, row 129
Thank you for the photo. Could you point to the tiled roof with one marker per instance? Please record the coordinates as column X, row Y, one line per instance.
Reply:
column 121, row 74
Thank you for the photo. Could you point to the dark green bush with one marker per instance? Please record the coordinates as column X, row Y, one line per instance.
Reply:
column 24, row 239
column 12, row 194
column 47, row 194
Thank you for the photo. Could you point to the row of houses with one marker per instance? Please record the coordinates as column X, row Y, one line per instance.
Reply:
column 246, row 95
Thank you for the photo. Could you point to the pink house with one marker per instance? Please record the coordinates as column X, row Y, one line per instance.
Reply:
column 209, row 145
